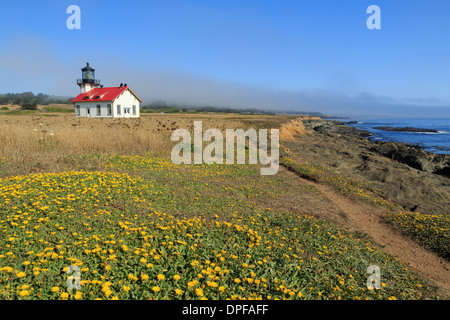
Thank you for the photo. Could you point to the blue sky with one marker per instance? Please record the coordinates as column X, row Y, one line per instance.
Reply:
column 312, row 55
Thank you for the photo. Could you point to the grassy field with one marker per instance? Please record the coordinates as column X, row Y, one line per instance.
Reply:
column 76, row 192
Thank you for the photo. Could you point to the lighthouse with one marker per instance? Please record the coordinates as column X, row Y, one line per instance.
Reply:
column 87, row 81
column 96, row 101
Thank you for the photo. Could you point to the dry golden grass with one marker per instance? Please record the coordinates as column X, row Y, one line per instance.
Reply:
column 39, row 143
column 34, row 143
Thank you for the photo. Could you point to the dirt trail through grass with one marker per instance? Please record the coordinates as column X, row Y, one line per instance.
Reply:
column 357, row 215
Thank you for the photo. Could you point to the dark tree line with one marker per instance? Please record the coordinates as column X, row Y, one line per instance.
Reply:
column 28, row 99
column 162, row 106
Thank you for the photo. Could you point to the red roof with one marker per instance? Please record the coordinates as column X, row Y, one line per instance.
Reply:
column 102, row 94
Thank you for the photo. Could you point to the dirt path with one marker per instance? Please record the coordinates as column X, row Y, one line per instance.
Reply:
column 360, row 216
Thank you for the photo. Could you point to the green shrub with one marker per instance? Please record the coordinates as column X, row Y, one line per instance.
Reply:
column 29, row 106
column 57, row 109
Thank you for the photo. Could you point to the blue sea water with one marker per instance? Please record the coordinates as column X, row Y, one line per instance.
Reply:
column 430, row 142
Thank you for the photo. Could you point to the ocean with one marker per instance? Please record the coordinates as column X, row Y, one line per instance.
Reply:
column 431, row 142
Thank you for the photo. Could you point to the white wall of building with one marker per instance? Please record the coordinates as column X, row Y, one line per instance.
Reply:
column 126, row 100
column 92, row 106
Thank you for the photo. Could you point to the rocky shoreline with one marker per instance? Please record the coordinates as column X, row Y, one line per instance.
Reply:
column 415, row 179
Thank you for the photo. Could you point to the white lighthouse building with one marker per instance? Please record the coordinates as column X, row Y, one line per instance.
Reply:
column 97, row 101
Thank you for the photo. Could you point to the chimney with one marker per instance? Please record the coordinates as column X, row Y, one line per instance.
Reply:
column 125, row 85
column 121, row 85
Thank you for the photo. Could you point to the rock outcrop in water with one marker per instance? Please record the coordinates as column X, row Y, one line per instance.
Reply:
column 406, row 129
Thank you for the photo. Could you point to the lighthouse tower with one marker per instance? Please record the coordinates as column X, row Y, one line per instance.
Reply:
column 87, row 81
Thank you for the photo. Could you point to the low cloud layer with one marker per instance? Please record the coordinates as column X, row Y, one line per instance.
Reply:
column 32, row 65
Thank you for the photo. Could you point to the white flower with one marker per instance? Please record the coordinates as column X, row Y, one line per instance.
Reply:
column 35, row 129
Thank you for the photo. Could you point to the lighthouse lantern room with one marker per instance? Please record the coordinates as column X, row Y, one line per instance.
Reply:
column 87, row 81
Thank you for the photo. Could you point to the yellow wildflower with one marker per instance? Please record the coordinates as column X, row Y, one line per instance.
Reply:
column 178, row 292
column 24, row 293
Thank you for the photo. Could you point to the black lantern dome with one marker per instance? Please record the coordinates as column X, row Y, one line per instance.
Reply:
column 88, row 75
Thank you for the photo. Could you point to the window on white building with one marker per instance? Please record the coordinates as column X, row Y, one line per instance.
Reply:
column 108, row 110
column 99, row 110
column 134, row 110
column 118, row 109
column 77, row 109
